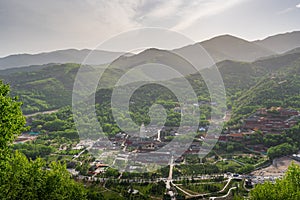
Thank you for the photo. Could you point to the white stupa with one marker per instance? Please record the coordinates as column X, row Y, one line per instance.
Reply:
column 142, row 131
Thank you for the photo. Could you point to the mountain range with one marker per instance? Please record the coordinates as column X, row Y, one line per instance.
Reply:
column 59, row 56
column 224, row 47
column 50, row 86
column 253, row 75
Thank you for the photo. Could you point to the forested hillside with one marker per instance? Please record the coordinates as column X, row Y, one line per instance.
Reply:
column 267, row 82
column 280, row 88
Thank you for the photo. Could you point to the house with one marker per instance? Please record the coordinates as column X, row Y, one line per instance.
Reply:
column 235, row 137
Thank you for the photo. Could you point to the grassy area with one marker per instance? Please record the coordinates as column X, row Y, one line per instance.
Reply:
column 184, row 181
column 145, row 190
column 111, row 195
column 249, row 159
column 203, row 188
column 228, row 166
column 197, row 169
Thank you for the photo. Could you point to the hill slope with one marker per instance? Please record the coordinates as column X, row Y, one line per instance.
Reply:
column 280, row 88
column 48, row 87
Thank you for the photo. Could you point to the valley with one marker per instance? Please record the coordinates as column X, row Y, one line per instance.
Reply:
column 261, row 123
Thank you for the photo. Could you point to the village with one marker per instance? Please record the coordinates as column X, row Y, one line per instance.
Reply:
column 133, row 153
column 141, row 152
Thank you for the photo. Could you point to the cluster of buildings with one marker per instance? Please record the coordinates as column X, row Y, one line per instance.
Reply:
column 273, row 120
column 268, row 121
column 152, row 139
column 152, row 145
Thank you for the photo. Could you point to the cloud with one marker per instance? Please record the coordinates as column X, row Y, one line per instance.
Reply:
column 34, row 25
column 180, row 14
column 64, row 23
column 104, row 18
column 115, row 14
column 287, row 10
column 201, row 9
column 164, row 9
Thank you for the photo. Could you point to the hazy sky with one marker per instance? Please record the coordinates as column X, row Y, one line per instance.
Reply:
column 33, row 26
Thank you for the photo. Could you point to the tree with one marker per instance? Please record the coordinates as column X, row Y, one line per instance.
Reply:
column 27, row 179
column 12, row 121
column 246, row 169
column 230, row 148
column 21, row 178
column 55, row 125
column 281, row 150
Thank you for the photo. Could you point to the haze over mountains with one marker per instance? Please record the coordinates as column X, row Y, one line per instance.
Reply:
column 59, row 56
column 50, row 86
column 224, row 47
column 281, row 43
column 227, row 47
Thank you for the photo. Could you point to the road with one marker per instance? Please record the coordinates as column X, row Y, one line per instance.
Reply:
column 169, row 179
column 43, row 112
column 206, row 194
column 224, row 196
column 88, row 148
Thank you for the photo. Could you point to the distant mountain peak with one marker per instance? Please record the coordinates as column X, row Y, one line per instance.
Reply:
column 228, row 47
column 281, row 43
column 224, row 37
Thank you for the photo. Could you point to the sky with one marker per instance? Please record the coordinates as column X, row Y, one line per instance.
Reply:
column 34, row 26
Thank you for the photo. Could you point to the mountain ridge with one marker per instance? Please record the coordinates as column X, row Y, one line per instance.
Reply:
column 37, row 85
column 282, row 42
column 219, row 48
column 58, row 57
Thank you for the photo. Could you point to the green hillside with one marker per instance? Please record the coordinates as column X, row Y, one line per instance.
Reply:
column 281, row 88
column 248, row 85
column 43, row 88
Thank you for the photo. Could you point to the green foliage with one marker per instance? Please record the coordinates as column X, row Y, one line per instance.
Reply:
column 111, row 172
column 25, row 179
column 146, row 189
column 287, row 188
column 56, row 125
column 281, row 150
column 229, row 166
column 12, row 120
column 250, row 159
column 21, row 178
column 94, row 193
column 274, row 139
column 33, row 151
column 197, row 169
column 283, row 86
column 204, row 188
column 294, row 134
column 246, row 169
column 229, row 147
column 44, row 88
